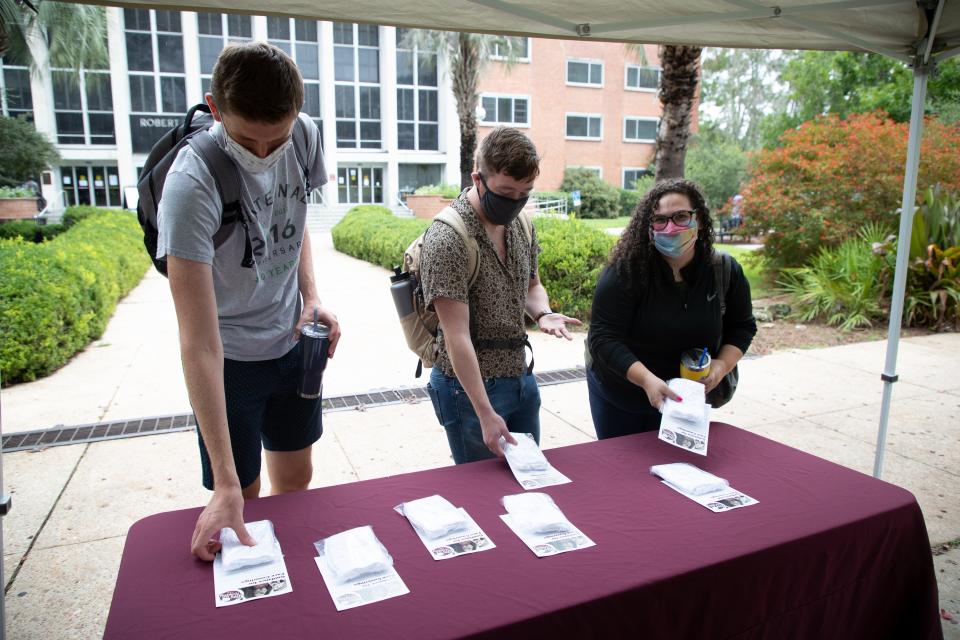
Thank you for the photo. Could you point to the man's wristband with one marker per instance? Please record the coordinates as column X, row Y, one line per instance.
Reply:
column 545, row 312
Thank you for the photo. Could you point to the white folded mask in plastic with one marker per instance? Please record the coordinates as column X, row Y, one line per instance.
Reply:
column 525, row 455
column 694, row 399
column 236, row 555
column 354, row 553
column 433, row 516
column 688, row 478
column 535, row 513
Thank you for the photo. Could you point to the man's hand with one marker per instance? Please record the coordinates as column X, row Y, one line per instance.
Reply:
column 556, row 324
column 493, row 426
column 718, row 369
column 658, row 391
column 325, row 316
column 225, row 510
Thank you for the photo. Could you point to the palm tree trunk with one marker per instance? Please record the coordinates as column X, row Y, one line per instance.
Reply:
column 465, row 73
column 678, row 88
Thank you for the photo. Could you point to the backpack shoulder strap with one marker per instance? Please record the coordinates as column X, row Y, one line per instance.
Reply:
column 300, row 146
column 450, row 217
column 722, row 269
column 225, row 176
column 527, row 225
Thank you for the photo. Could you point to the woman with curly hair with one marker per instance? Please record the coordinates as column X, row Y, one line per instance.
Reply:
column 657, row 298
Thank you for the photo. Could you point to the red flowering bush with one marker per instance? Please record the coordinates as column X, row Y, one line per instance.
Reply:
column 831, row 176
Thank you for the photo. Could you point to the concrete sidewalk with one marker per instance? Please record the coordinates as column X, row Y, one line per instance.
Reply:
column 73, row 504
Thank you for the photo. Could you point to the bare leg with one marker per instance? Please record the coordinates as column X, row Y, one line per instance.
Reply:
column 289, row 470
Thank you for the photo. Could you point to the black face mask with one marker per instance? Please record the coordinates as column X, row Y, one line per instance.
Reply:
column 500, row 210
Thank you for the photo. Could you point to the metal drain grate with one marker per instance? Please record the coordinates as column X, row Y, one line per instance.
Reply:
column 57, row 436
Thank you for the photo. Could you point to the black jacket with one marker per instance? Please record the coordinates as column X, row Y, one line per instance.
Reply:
column 655, row 324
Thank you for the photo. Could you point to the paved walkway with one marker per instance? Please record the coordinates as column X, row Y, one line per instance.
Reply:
column 74, row 504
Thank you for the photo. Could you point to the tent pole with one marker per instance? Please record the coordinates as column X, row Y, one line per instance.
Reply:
column 921, row 72
column 5, row 504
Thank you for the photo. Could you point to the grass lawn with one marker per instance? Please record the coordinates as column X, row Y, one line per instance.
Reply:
column 607, row 223
column 760, row 286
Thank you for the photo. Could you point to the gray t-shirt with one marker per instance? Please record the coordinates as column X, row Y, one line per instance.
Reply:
column 257, row 308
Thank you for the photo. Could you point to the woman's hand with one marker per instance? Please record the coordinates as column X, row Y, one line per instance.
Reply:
column 718, row 369
column 657, row 391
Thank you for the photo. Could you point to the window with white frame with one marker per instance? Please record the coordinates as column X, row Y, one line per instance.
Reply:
column 639, row 129
column 16, row 97
column 356, row 61
column 584, row 126
column 418, row 120
column 300, row 40
column 217, row 30
column 642, row 78
column 631, row 175
column 518, row 45
column 154, row 42
column 83, row 107
column 504, row 109
column 585, row 73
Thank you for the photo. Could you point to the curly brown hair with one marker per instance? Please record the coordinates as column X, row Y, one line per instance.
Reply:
column 634, row 253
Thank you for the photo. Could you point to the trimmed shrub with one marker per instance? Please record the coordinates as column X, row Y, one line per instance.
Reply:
column 597, row 198
column 373, row 234
column 570, row 262
column 449, row 191
column 629, row 199
column 30, row 230
column 57, row 296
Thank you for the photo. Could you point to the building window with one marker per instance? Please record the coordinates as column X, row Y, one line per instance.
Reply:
column 356, row 61
column 99, row 186
column 640, row 129
column 418, row 120
column 503, row 45
column 640, row 78
column 511, row 110
column 412, row 176
column 300, row 39
column 584, row 126
column 155, row 61
column 83, row 107
column 16, row 98
column 217, row 30
column 630, row 177
column 585, row 73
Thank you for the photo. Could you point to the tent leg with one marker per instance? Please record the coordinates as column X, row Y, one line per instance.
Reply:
column 908, row 206
column 5, row 504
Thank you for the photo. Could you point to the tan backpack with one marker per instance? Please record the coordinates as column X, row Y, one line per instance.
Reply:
column 420, row 327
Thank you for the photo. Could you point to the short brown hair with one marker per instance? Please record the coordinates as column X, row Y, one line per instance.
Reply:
column 508, row 151
column 256, row 81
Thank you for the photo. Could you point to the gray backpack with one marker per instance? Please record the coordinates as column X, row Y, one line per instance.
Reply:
column 221, row 167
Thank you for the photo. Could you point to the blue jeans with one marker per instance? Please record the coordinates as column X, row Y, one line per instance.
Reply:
column 516, row 400
column 618, row 414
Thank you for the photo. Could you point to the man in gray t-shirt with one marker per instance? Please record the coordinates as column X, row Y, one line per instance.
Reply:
column 239, row 326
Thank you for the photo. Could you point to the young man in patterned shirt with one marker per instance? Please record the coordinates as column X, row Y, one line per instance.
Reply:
column 481, row 386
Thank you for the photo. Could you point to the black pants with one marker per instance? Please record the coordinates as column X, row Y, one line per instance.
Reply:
column 616, row 413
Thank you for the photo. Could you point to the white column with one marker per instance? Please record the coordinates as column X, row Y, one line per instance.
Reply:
column 388, row 112
column 449, row 122
column 260, row 28
column 120, row 89
column 191, row 57
column 328, row 111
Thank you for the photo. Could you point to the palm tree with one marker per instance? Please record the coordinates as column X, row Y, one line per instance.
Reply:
column 467, row 54
column 680, row 73
column 76, row 34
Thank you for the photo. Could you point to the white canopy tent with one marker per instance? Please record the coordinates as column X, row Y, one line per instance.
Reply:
column 919, row 33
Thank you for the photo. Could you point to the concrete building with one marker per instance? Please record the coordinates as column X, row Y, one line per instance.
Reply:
column 387, row 114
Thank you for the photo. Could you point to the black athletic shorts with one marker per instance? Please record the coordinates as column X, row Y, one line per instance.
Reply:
column 263, row 406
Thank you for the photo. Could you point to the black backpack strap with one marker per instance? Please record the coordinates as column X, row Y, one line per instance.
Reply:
column 507, row 344
column 227, row 178
column 300, row 149
column 722, row 269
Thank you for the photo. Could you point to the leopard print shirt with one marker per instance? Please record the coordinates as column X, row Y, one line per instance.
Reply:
column 497, row 297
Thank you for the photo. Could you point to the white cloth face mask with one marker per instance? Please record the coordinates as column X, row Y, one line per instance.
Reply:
column 249, row 161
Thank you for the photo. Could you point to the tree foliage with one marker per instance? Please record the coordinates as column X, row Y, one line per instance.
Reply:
column 75, row 34
column 24, row 153
column 716, row 162
column 830, row 176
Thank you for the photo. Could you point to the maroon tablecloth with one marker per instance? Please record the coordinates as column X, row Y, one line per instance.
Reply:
column 828, row 553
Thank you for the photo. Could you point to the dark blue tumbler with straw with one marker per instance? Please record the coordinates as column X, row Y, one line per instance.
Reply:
column 314, row 345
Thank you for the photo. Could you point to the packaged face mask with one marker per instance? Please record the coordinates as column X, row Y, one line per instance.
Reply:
column 525, row 455
column 433, row 516
column 690, row 409
column 354, row 553
column 236, row 555
column 688, row 478
column 535, row 513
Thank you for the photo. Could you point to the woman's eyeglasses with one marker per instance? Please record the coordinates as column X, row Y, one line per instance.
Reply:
column 680, row 219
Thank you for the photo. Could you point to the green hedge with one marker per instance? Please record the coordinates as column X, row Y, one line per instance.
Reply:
column 57, row 296
column 570, row 262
